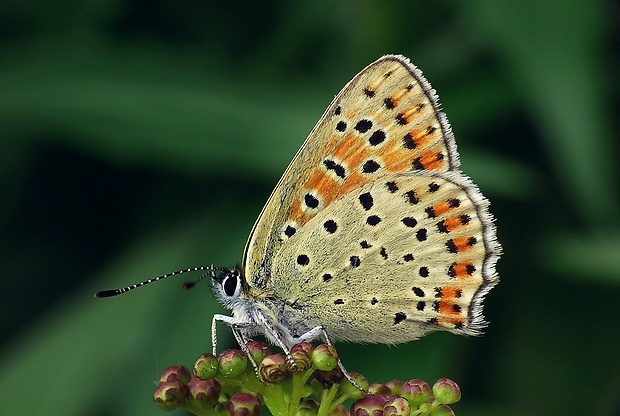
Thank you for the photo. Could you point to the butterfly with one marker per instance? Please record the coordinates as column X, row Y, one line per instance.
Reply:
column 373, row 234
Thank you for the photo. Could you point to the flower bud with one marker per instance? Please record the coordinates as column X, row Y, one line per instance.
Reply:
column 416, row 392
column 371, row 405
column 329, row 378
column 352, row 391
column 340, row 410
column 177, row 372
column 396, row 406
column 243, row 404
column 446, row 391
column 233, row 363
column 395, row 386
column 302, row 355
column 442, row 410
column 204, row 393
column 307, row 407
column 324, row 357
column 206, row 366
column 378, row 388
column 170, row 394
column 258, row 350
column 273, row 369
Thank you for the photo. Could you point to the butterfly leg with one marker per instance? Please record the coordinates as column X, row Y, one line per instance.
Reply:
column 319, row 332
column 276, row 335
column 238, row 331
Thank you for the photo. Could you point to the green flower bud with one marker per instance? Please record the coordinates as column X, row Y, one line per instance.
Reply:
column 302, row 355
column 442, row 410
column 243, row 404
column 177, row 372
column 395, row 386
column 206, row 366
column 273, row 369
column 204, row 393
column 416, row 392
column 378, row 388
column 350, row 390
column 233, row 363
column 371, row 405
column 307, row 407
column 324, row 357
column 446, row 391
column 396, row 406
column 170, row 394
column 258, row 350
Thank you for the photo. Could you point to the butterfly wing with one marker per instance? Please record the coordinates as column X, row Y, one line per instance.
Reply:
column 386, row 120
column 398, row 257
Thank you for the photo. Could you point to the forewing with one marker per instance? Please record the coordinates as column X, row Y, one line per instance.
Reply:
column 385, row 121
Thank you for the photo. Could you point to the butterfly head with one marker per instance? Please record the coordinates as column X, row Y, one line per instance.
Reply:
column 229, row 286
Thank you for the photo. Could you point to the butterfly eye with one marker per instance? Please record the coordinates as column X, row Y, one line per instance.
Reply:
column 230, row 284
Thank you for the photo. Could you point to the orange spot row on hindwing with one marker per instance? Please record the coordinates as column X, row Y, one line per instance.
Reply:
column 453, row 223
column 449, row 308
column 451, row 292
column 461, row 270
column 461, row 244
column 451, row 322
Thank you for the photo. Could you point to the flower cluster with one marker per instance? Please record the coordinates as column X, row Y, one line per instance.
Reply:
column 310, row 385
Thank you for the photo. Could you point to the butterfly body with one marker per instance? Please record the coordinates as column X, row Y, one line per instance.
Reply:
column 372, row 234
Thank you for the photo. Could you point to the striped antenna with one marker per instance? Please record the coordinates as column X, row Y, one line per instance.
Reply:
column 113, row 292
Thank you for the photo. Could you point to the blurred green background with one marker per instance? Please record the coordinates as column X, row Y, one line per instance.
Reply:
column 139, row 137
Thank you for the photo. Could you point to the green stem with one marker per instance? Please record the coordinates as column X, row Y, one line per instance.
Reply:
column 326, row 400
column 298, row 390
column 343, row 398
column 276, row 398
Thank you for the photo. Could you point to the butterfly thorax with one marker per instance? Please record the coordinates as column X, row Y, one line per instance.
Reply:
column 265, row 316
column 255, row 310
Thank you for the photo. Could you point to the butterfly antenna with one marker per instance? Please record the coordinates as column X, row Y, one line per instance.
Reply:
column 189, row 285
column 113, row 292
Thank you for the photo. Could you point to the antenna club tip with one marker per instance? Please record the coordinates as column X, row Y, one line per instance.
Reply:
column 188, row 285
column 105, row 294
